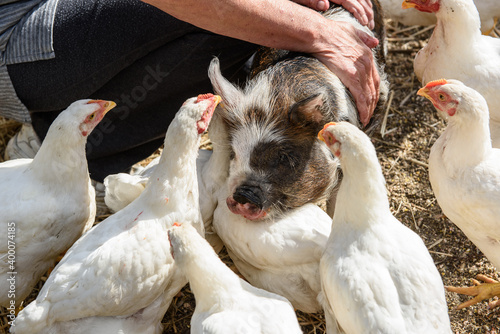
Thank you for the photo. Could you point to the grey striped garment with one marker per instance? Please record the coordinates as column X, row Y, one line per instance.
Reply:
column 25, row 36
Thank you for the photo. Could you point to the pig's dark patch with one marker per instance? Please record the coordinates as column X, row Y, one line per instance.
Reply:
column 292, row 173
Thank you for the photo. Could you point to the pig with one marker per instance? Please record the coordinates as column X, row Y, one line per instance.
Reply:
column 277, row 164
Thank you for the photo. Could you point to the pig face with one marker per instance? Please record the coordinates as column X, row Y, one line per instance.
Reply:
column 276, row 161
column 271, row 173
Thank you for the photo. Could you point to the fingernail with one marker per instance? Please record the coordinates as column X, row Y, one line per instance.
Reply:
column 322, row 5
column 365, row 19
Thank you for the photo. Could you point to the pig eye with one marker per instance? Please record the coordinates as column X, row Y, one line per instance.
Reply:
column 287, row 159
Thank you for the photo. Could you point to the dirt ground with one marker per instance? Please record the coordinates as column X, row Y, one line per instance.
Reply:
column 403, row 144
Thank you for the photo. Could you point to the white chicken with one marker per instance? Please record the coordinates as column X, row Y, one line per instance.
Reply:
column 212, row 167
column 377, row 276
column 47, row 202
column 121, row 275
column 457, row 50
column 224, row 302
column 464, row 170
column 280, row 255
column 123, row 188
column 489, row 12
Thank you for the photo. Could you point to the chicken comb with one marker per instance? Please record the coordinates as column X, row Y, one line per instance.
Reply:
column 435, row 83
column 202, row 97
column 177, row 224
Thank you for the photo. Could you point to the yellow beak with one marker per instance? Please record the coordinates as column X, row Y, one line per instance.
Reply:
column 320, row 134
column 407, row 4
column 424, row 92
column 105, row 105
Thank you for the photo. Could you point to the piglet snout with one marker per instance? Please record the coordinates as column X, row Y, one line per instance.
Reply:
column 249, row 194
column 247, row 201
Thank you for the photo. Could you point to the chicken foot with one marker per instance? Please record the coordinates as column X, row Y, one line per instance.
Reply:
column 490, row 288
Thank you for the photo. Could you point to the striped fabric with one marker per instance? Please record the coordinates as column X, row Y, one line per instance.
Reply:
column 25, row 36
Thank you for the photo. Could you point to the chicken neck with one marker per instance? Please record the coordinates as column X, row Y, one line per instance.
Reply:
column 211, row 281
column 175, row 173
column 362, row 195
column 465, row 144
column 61, row 158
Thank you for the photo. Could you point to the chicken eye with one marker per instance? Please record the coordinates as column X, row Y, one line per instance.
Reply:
column 91, row 117
column 441, row 97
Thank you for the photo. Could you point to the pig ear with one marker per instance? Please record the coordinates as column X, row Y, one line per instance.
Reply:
column 230, row 94
column 309, row 113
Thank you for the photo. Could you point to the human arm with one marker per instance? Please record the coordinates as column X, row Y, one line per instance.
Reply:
column 287, row 25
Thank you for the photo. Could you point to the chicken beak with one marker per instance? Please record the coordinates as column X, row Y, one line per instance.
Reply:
column 407, row 4
column 105, row 105
column 320, row 134
column 218, row 99
column 424, row 91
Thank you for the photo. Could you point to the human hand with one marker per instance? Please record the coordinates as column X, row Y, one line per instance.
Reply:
column 348, row 54
column 361, row 9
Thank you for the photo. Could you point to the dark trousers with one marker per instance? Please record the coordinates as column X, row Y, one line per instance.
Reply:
column 126, row 51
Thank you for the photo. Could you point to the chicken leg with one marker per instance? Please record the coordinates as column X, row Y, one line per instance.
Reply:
column 490, row 288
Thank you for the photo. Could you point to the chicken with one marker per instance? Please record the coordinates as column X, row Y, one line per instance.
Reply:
column 48, row 201
column 377, row 276
column 212, row 167
column 123, row 188
column 224, row 302
column 394, row 11
column 457, row 50
column 280, row 255
column 489, row 12
column 121, row 273
column 464, row 168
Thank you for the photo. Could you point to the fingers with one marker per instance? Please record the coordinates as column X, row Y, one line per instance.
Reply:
column 321, row 5
column 362, row 81
column 372, row 89
column 361, row 9
column 363, row 85
column 348, row 54
column 369, row 41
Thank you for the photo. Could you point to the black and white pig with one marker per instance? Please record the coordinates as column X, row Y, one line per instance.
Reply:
column 276, row 161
